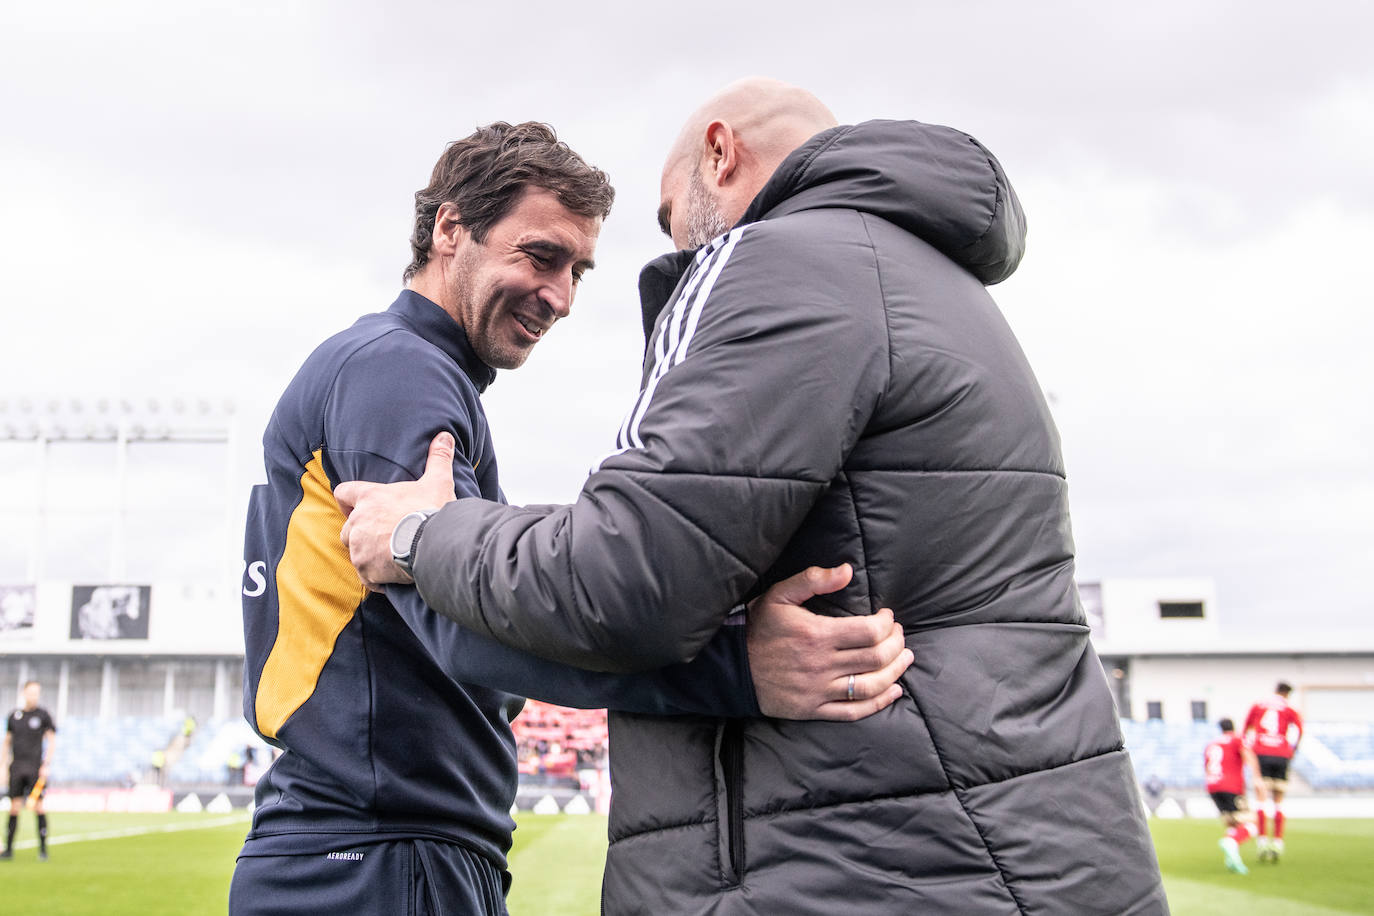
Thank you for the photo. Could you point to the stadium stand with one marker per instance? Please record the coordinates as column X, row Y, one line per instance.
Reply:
column 1170, row 751
column 110, row 752
column 206, row 759
column 557, row 745
column 1337, row 755
column 554, row 743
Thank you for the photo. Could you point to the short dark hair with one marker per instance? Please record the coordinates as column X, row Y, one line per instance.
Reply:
column 1227, row 725
column 1284, row 688
column 484, row 173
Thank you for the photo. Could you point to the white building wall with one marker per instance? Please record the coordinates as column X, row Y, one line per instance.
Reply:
column 1338, row 688
column 1132, row 623
column 183, row 619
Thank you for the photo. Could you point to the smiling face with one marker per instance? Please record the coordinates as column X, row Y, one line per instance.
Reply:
column 508, row 290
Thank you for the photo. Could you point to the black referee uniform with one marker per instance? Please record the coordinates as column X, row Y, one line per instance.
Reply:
column 27, row 728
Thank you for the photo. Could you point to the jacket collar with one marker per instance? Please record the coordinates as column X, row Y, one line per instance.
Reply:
column 438, row 327
column 657, row 282
column 935, row 182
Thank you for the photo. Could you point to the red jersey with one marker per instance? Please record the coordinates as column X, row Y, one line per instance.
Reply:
column 1224, row 765
column 1273, row 728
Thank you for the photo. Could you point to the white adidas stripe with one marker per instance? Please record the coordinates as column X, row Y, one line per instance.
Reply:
column 675, row 335
column 683, row 327
column 666, row 339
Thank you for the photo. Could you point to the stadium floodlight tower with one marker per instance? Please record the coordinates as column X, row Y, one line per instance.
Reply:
column 116, row 428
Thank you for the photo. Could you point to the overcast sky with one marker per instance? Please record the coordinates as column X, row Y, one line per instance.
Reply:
column 193, row 195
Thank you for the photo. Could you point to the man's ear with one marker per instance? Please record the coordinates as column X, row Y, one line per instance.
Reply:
column 722, row 154
column 448, row 233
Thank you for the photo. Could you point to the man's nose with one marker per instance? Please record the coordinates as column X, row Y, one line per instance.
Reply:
column 557, row 294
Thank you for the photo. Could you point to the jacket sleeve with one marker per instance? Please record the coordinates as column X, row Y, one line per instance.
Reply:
column 759, row 380
column 369, row 438
column 715, row 683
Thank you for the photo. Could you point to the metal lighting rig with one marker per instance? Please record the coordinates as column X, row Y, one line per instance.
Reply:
column 108, row 421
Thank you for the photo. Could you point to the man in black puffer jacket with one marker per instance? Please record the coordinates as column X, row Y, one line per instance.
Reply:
column 827, row 378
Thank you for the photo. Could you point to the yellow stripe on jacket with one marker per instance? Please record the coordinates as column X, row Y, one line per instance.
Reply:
column 318, row 592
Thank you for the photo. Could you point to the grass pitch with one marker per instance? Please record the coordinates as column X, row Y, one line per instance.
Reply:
column 123, row 865
column 155, row 864
column 180, row 865
column 1324, row 871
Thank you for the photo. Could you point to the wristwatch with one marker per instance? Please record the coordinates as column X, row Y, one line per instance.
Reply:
column 406, row 535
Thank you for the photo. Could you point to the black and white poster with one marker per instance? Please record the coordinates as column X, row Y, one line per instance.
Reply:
column 17, row 605
column 110, row 611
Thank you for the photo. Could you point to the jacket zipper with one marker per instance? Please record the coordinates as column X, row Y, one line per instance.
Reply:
column 732, row 765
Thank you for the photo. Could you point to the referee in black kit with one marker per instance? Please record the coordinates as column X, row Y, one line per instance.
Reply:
column 26, row 729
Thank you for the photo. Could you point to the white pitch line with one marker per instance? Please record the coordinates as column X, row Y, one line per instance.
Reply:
column 63, row 839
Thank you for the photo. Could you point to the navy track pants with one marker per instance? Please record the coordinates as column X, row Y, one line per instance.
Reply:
column 394, row 878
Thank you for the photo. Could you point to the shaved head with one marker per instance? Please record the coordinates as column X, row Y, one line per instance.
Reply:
column 727, row 150
column 773, row 117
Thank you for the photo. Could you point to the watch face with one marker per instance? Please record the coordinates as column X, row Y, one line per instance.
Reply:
column 404, row 535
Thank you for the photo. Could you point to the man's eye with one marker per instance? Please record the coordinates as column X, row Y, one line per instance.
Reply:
column 539, row 260
column 577, row 276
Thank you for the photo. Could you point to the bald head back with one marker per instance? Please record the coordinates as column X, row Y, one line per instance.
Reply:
column 734, row 142
column 771, row 118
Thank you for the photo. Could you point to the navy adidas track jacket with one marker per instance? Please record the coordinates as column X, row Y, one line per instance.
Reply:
column 394, row 720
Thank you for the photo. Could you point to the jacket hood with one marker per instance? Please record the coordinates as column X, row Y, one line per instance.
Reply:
column 937, row 183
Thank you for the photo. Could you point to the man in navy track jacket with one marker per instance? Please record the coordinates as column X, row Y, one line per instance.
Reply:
column 399, row 773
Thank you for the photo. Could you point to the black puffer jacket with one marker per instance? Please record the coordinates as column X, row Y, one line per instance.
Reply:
column 830, row 381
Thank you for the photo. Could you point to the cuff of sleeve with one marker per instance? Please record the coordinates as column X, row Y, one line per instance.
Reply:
column 739, row 633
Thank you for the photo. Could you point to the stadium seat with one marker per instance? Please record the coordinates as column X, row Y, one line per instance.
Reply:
column 109, row 752
column 1331, row 755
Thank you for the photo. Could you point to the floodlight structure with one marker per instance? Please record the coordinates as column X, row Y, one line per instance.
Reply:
column 119, row 494
column 122, row 423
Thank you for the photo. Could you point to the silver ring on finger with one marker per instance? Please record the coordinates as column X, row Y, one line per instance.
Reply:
column 849, row 691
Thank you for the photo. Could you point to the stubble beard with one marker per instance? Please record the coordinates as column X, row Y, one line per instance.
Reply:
column 496, row 353
column 482, row 316
column 704, row 219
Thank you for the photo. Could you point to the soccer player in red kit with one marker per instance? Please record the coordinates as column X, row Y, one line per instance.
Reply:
column 1273, row 730
column 1225, row 761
